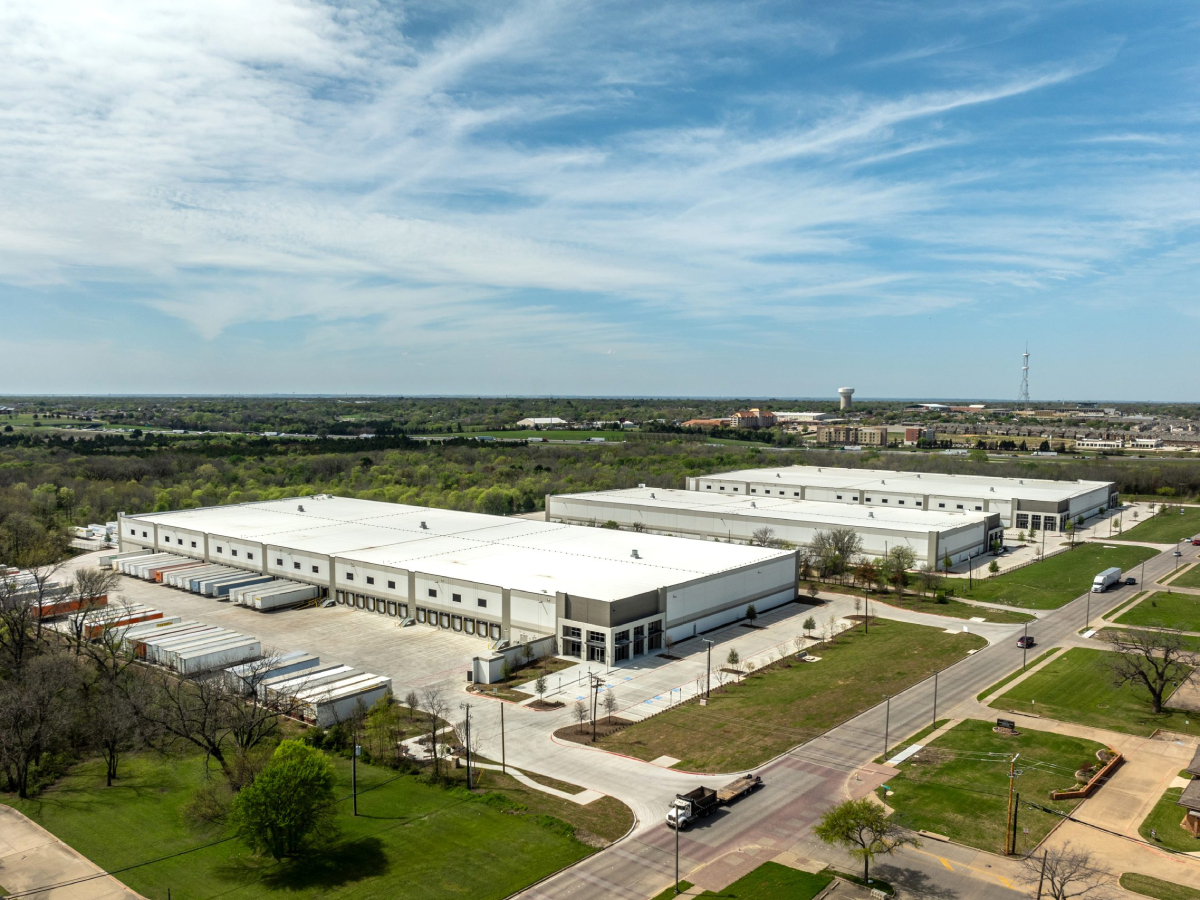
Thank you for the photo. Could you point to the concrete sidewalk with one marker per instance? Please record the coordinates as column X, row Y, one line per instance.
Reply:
column 31, row 857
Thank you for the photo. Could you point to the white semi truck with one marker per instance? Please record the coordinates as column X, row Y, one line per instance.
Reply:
column 1105, row 580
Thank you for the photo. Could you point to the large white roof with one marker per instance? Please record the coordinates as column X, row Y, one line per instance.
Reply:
column 786, row 511
column 520, row 554
column 914, row 482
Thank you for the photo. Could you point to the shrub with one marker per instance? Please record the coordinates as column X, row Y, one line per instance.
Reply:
column 290, row 799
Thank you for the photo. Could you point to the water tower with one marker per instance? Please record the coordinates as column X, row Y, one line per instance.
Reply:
column 846, row 394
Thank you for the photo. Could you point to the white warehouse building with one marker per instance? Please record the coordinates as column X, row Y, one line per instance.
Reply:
column 606, row 596
column 932, row 536
column 1021, row 502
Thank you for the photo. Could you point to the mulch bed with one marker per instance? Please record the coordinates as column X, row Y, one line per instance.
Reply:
column 860, row 618
column 545, row 704
column 604, row 727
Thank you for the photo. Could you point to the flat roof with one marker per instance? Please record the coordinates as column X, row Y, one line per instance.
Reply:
column 787, row 511
column 914, row 482
column 519, row 554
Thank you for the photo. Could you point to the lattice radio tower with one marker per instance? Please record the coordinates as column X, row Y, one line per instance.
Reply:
column 1023, row 397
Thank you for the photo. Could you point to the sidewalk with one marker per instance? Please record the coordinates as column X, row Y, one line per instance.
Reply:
column 31, row 857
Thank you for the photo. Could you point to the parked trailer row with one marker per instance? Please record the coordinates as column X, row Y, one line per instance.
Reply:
column 95, row 622
column 291, row 593
column 197, row 648
column 53, row 607
column 248, row 676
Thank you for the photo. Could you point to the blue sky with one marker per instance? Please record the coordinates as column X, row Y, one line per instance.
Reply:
column 688, row 198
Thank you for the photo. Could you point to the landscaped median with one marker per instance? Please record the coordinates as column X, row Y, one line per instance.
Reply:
column 1078, row 687
column 1057, row 580
column 778, row 707
column 770, row 881
column 1188, row 578
column 1149, row 886
column 1013, row 676
column 957, row 786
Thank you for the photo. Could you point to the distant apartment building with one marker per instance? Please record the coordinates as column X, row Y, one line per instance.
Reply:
column 753, row 418
column 853, row 435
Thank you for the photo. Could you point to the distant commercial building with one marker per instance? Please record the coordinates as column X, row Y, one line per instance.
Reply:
column 1021, row 502
column 932, row 536
column 706, row 423
column 1146, row 443
column 853, row 435
column 1099, row 444
column 752, row 418
column 783, row 417
column 605, row 595
column 542, row 422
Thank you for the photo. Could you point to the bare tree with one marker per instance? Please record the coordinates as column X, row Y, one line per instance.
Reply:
column 668, row 643
column 610, row 705
column 798, row 640
column 111, row 721
column 763, row 537
column 22, row 627
column 109, row 652
column 539, row 687
column 412, row 701
column 433, row 701
column 1066, row 872
column 90, row 590
column 580, row 712
column 1152, row 659
column 36, row 712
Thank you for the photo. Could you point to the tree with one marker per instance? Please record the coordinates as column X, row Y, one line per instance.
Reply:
column 901, row 557
column 809, row 624
column 763, row 537
column 433, row 700
column 610, row 705
column 994, row 567
column 751, row 613
column 580, row 713
column 929, row 577
column 412, row 701
column 734, row 659
column 89, row 591
column 1069, row 528
column 36, row 712
column 111, row 722
column 947, row 562
column 1065, row 873
column 866, row 573
column 863, row 828
column 539, row 687
column 291, row 798
column 22, row 628
column 1154, row 660
column 668, row 643
column 812, row 591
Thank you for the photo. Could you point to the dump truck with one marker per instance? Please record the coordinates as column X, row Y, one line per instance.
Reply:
column 697, row 804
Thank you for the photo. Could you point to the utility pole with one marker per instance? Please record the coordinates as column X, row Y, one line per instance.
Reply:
column 1016, row 813
column 866, row 611
column 708, row 669
column 677, row 852
column 502, row 737
column 935, row 675
column 597, row 683
column 1024, row 646
column 887, row 724
column 1012, row 776
column 1042, row 876
column 354, row 771
column 467, row 729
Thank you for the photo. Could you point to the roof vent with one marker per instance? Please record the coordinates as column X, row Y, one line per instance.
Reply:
column 424, row 526
column 777, row 475
column 992, row 489
column 883, row 481
column 753, row 505
column 652, row 497
column 870, row 514
column 300, row 507
column 634, row 554
column 641, row 485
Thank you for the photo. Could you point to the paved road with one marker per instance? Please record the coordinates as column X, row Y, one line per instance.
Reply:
column 806, row 781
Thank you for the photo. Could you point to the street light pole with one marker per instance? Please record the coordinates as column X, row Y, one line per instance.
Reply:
column 467, row 730
column 1024, row 646
column 677, row 852
column 935, row 675
column 708, row 669
column 887, row 724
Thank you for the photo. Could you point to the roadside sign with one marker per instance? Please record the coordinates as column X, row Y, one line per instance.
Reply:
column 1006, row 723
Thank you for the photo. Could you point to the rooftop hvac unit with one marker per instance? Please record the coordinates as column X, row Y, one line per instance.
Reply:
column 634, row 554
column 300, row 507
column 424, row 526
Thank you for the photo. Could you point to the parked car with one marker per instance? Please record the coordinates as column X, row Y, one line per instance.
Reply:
column 1131, row 581
column 1025, row 641
column 1196, row 542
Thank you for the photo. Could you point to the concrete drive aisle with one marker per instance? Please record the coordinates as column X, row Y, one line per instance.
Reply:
column 31, row 857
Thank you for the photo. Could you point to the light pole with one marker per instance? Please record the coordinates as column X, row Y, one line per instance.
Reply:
column 354, row 771
column 708, row 668
column 887, row 724
column 677, row 851
column 1088, row 614
column 1024, row 646
column 935, row 675
column 467, row 729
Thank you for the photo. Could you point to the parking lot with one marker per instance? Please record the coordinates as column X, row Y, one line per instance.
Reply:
column 413, row 656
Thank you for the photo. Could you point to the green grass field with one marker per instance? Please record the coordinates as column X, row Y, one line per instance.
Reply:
column 1189, row 579
column 777, row 708
column 1164, row 820
column 1157, row 888
column 956, row 609
column 770, row 881
column 409, row 840
column 1017, row 674
column 1054, row 581
column 1163, row 528
column 958, row 785
column 1076, row 687
column 1165, row 610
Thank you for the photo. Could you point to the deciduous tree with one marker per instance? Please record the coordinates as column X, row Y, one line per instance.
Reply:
column 291, row 798
column 864, row 829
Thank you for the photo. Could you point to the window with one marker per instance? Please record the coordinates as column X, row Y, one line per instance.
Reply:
column 391, row 585
column 978, row 508
column 722, row 487
column 901, row 502
column 1022, row 520
column 370, row 579
column 960, row 506
column 868, row 499
column 457, row 598
column 433, row 592
column 708, row 487
column 839, row 496
column 181, row 541
column 279, row 562
column 885, row 499
column 795, row 493
column 481, row 603
column 571, row 631
column 349, row 576
column 918, row 502
column 220, row 550
column 233, row 552
column 941, row 506
column 144, row 534
column 249, row 556
column 754, row 490
column 295, row 565
column 316, row 569
column 193, row 545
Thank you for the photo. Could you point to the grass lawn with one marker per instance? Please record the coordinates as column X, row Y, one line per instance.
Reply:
column 958, row 785
column 770, row 881
column 1007, row 678
column 1165, row 610
column 1189, row 579
column 1164, row 819
column 1076, row 687
column 1163, row 528
column 1054, row 581
column 1188, row 641
column 956, row 609
column 1157, row 888
column 409, row 840
column 779, row 707
column 896, row 749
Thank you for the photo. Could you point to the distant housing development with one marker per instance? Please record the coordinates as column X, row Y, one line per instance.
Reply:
column 606, row 595
column 932, row 536
column 1021, row 502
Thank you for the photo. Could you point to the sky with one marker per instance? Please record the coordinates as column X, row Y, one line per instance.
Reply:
column 590, row 198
